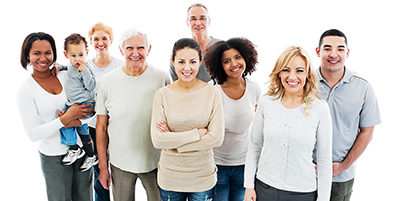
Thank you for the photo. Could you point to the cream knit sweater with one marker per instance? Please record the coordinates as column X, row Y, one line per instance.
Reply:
column 186, row 163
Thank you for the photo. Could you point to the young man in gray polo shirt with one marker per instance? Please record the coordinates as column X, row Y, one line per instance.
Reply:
column 353, row 106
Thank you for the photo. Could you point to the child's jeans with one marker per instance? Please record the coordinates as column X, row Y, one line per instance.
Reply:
column 69, row 136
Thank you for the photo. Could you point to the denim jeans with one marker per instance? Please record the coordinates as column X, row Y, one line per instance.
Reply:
column 68, row 135
column 66, row 182
column 179, row 196
column 230, row 183
column 101, row 194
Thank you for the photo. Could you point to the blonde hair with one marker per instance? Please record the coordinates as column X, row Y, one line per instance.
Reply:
column 100, row 27
column 310, row 90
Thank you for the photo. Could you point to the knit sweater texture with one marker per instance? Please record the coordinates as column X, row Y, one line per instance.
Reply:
column 186, row 163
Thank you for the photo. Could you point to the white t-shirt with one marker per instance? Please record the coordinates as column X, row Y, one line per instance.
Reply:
column 238, row 115
column 128, row 102
column 99, row 73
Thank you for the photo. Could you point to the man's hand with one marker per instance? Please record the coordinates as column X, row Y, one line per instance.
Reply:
column 104, row 178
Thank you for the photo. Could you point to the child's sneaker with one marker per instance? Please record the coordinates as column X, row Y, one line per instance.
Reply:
column 72, row 156
column 89, row 162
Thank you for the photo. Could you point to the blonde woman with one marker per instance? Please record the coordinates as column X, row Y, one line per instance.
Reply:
column 291, row 123
column 101, row 38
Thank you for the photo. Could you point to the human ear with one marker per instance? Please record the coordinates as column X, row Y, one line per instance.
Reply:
column 317, row 51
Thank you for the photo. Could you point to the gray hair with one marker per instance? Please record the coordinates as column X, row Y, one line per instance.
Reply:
column 133, row 32
column 197, row 5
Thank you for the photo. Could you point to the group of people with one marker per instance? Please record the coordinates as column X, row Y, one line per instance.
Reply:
column 209, row 134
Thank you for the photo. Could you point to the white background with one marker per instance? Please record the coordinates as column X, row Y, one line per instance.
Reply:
column 374, row 37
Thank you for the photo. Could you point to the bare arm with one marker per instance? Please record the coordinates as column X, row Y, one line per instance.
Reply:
column 363, row 139
column 102, row 142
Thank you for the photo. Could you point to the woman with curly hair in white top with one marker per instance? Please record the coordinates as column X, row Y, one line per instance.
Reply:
column 291, row 123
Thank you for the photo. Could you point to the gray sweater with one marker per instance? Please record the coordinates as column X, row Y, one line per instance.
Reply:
column 80, row 86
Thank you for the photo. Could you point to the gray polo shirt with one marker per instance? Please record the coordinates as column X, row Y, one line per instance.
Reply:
column 202, row 71
column 352, row 104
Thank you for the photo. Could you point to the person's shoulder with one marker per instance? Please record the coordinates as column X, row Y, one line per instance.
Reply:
column 265, row 98
column 119, row 62
column 253, row 84
column 112, row 75
column 161, row 91
column 359, row 77
column 355, row 77
column 157, row 71
column 320, row 105
column 26, row 84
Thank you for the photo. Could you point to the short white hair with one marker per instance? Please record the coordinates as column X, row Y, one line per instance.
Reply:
column 133, row 32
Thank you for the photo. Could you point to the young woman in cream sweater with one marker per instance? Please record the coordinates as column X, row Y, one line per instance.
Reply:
column 187, row 122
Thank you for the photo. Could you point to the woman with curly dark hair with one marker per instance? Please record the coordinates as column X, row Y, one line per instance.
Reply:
column 229, row 62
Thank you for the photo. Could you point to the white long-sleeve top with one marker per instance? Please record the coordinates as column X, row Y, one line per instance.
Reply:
column 38, row 111
column 280, row 151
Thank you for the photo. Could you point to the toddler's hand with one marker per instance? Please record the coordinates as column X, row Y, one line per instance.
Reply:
column 81, row 66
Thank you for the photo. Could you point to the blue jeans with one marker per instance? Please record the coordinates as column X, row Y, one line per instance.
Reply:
column 230, row 183
column 179, row 196
column 101, row 194
column 68, row 135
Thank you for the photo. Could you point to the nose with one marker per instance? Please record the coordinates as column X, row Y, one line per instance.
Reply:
column 233, row 63
column 292, row 75
column 136, row 52
column 333, row 53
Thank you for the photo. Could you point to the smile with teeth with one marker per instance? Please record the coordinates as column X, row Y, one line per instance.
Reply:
column 236, row 69
column 333, row 61
column 292, row 83
column 101, row 47
column 188, row 74
column 132, row 59
column 42, row 64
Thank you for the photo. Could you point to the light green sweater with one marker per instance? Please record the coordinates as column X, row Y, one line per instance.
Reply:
column 186, row 163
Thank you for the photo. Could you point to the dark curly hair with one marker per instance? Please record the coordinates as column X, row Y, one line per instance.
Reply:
column 74, row 39
column 213, row 57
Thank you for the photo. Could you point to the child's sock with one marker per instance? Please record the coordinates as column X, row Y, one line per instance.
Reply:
column 74, row 147
column 88, row 146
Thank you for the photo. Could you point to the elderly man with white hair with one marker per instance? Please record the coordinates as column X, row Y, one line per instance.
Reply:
column 124, row 108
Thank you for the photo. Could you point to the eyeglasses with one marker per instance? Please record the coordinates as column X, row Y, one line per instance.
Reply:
column 201, row 19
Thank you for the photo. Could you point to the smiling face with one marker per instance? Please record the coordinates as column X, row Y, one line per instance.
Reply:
column 135, row 51
column 41, row 55
column 186, row 63
column 333, row 53
column 233, row 63
column 293, row 76
column 101, row 42
column 198, row 20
